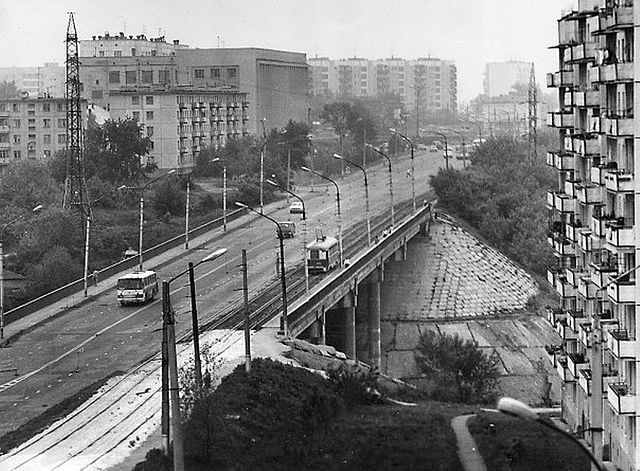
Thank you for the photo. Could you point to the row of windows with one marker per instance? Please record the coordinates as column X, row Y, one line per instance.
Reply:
column 31, row 107
column 146, row 76
column 46, row 139
column 216, row 72
column 46, row 123
column 6, row 153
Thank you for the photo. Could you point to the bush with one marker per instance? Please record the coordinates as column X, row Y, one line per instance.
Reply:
column 354, row 385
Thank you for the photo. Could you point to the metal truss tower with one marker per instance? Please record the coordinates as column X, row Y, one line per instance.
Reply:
column 75, row 190
column 533, row 116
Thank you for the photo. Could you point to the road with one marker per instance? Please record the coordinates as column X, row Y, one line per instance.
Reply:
column 100, row 338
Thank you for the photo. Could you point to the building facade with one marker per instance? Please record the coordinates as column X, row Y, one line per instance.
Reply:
column 593, row 227
column 429, row 83
column 500, row 77
column 180, row 121
column 46, row 81
column 32, row 128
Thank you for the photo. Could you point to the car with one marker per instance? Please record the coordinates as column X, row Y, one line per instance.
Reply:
column 433, row 148
column 296, row 207
column 288, row 229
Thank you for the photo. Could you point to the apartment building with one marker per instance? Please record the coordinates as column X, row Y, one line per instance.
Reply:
column 275, row 82
column 593, row 227
column 48, row 80
column 429, row 83
column 32, row 128
column 180, row 121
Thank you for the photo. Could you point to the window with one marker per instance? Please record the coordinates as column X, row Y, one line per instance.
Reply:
column 96, row 94
column 198, row 73
column 133, row 51
column 149, row 100
column 46, row 139
column 16, row 123
column 61, row 107
column 4, row 154
column 32, row 129
column 46, row 123
column 149, row 114
column 215, row 73
column 164, row 76
column 114, row 76
column 15, row 107
column 101, row 54
column 3, row 107
column 16, row 138
column 16, row 154
column 32, row 121
column 151, row 145
column 130, row 76
column 117, row 53
column 135, row 100
column 62, row 122
column 232, row 73
column 136, row 115
column 149, row 131
column 62, row 138
column 147, row 76
column 32, row 136
column 47, row 153
column 31, row 113
column 46, row 107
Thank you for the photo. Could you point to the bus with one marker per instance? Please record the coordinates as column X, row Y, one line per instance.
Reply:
column 137, row 287
column 323, row 254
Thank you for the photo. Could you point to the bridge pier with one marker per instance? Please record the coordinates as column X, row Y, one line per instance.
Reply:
column 374, row 285
column 317, row 332
column 349, row 309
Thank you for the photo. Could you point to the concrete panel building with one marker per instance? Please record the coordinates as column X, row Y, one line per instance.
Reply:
column 48, row 80
column 593, row 226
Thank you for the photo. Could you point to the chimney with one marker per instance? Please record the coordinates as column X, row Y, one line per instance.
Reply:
column 176, row 41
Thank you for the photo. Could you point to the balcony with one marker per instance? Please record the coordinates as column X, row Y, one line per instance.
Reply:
column 575, row 363
column 620, row 344
column 584, row 380
column 617, row 126
column 563, row 246
column 599, row 225
column 586, row 147
column 601, row 272
column 555, row 315
column 621, row 399
column 587, row 289
column 583, row 52
column 4, row 129
column 589, row 193
column 563, row 372
column 586, row 242
column 587, row 98
column 594, row 124
column 572, row 231
column 560, row 79
column 5, row 145
column 575, row 318
column 584, row 334
column 574, row 274
column 571, row 188
column 565, row 332
column 595, row 74
column 561, row 160
column 560, row 119
column 564, row 203
column 619, row 181
column 622, row 291
column 620, row 234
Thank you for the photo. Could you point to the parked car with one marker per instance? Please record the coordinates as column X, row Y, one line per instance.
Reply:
column 296, row 207
column 288, row 229
column 433, row 148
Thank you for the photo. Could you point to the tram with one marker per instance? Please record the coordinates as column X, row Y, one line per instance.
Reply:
column 323, row 254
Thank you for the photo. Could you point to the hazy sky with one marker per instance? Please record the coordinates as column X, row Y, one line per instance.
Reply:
column 469, row 32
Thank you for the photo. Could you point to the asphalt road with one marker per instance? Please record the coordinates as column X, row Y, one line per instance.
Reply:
column 99, row 338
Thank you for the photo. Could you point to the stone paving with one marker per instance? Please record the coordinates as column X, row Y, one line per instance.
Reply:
column 459, row 277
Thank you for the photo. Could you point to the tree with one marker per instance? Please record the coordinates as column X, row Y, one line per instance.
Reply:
column 338, row 115
column 58, row 267
column 456, row 366
column 8, row 90
column 25, row 184
column 294, row 138
column 114, row 151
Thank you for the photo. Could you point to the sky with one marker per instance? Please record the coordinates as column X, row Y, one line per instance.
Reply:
column 469, row 32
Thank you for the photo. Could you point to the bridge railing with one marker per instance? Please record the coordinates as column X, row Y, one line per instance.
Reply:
column 300, row 309
column 126, row 264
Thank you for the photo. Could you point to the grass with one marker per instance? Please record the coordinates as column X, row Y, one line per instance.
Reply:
column 512, row 444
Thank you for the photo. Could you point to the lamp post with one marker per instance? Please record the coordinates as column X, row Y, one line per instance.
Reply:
column 366, row 193
column 224, row 192
column 141, row 189
column 390, row 179
column 518, row 409
column 446, row 145
column 304, row 230
column 262, row 152
column 2, row 232
column 418, row 90
column 87, row 230
column 413, row 177
column 337, row 205
column 464, row 145
column 186, row 213
column 284, row 325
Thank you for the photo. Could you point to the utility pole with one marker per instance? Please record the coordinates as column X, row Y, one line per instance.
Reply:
column 197, row 366
column 533, row 116
column 247, row 324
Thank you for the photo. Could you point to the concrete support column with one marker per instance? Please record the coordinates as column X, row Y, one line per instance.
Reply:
column 317, row 330
column 349, row 308
column 375, row 282
column 362, row 323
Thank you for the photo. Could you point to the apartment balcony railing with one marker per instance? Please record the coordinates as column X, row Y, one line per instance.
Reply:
column 587, row 98
column 4, row 129
column 555, row 315
column 571, row 188
column 584, row 147
column 599, row 225
column 5, row 145
column 574, row 274
column 586, row 288
column 584, row 380
column 589, row 193
column 565, row 332
column 561, row 160
column 621, row 291
column 560, row 119
column 563, row 372
column 586, row 242
column 564, row 203
column 563, row 246
column 621, row 398
column 572, row 231
column 575, row 317
column 617, row 126
column 583, row 52
column 621, row 344
column 616, row 72
column 575, row 363
column 620, row 181
column 600, row 273
column 620, row 234
column 584, row 334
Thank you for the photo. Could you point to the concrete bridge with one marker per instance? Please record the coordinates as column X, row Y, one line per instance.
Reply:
column 344, row 309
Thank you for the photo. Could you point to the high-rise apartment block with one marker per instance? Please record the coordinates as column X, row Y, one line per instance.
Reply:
column 431, row 81
column 500, row 77
column 48, row 80
column 593, row 227
column 32, row 128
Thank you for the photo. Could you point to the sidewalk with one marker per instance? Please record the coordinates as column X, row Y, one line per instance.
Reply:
column 470, row 457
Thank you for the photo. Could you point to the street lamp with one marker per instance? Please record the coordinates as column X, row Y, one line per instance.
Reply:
column 390, row 179
column 413, row 177
column 464, row 145
column 418, row 90
column 141, row 189
column 224, row 192
column 366, row 193
column 2, row 232
column 519, row 409
column 304, row 230
column 337, row 205
column 284, row 323
column 262, row 152
column 86, row 238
